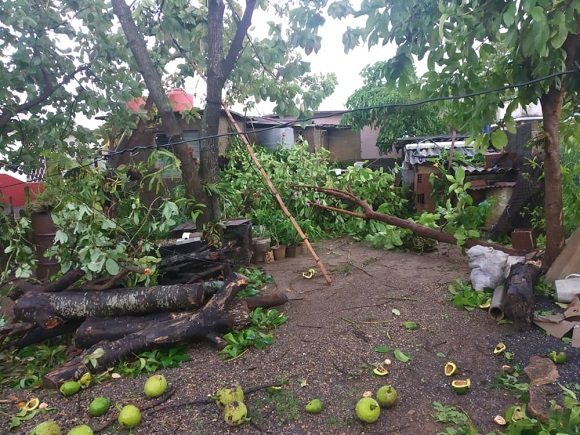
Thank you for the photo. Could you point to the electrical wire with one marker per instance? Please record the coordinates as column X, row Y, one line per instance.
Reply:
column 109, row 154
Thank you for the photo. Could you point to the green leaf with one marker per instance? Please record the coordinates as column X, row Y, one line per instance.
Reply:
column 509, row 15
column 112, row 266
column 383, row 349
column 499, row 139
column 561, row 31
column 401, row 356
column 410, row 326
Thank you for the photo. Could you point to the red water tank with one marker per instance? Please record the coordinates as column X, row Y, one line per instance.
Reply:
column 135, row 104
column 180, row 100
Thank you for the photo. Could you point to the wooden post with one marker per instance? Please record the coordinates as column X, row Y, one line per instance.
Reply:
column 277, row 196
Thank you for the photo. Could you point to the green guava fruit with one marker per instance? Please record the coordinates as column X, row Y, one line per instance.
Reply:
column 368, row 410
column 314, row 406
column 235, row 413
column 83, row 429
column 69, row 388
column 99, row 406
column 233, row 393
column 130, row 416
column 46, row 428
column 386, row 396
column 155, row 386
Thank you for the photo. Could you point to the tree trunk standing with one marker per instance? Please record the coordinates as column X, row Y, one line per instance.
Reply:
column 152, row 79
column 552, row 109
column 209, row 148
column 219, row 69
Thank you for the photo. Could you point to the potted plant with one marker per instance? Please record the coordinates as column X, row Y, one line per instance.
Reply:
column 260, row 243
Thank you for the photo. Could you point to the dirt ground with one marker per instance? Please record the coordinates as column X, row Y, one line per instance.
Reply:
column 326, row 351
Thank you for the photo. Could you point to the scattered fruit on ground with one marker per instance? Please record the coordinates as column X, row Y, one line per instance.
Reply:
column 233, row 393
column 380, row 371
column 46, row 428
column 83, row 429
column 99, row 406
column 500, row 420
column 461, row 386
column 129, row 417
column 517, row 413
column 499, row 348
column 69, row 388
column 85, row 380
column 314, row 406
column 309, row 274
column 507, row 369
column 387, row 396
column 485, row 305
column 450, row 369
column 31, row 405
column 387, row 362
column 558, row 357
column 368, row 410
column 155, row 386
column 235, row 413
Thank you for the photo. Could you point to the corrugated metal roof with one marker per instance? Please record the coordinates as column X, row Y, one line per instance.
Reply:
column 422, row 155
column 472, row 170
column 498, row 185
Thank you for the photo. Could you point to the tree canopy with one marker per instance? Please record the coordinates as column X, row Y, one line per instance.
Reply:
column 478, row 45
column 392, row 123
column 63, row 58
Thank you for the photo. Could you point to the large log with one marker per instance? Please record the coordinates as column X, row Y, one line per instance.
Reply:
column 22, row 286
column 222, row 313
column 519, row 301
column 49, row 310
column 96, row 329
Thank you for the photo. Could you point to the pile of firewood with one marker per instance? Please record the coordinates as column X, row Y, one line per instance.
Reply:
column 110, row 323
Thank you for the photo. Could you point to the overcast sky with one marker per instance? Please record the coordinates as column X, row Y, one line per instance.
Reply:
column 331, row 58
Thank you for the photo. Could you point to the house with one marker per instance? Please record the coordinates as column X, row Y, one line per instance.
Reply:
column 343, row 143
column 497, row 177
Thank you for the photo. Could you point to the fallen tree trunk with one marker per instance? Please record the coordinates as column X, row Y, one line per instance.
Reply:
column 222, row 313
column 49, row 310
column 38, row 334
column 21, row 287
column 96, row 329
column 421, row 230
column 519, row 300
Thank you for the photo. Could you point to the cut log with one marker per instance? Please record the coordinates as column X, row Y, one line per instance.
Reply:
column 222, row 313
column 96, row 329
column 519, row 300
column 38, row 334
column 22, row 286
column 49, row 310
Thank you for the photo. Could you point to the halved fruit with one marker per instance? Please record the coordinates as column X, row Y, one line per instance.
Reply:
column 485, row 305
column 517, row 413
column 31, row 405
column 450, row 369
column 380, row 371
column 507, row 369
column 461, row 386
column 500, row 420
column 558, row 357
column 499, row 348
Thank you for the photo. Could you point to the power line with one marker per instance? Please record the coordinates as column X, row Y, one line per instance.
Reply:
column 321, row 116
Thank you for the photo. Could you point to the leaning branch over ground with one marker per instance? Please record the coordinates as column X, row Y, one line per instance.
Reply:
column 369, row 214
